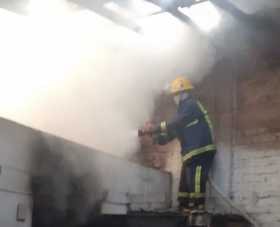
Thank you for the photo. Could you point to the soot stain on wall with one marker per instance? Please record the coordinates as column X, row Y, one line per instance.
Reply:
column 61, row 196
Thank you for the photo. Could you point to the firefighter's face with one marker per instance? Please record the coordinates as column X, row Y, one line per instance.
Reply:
column 177, row 99
column 180, row 96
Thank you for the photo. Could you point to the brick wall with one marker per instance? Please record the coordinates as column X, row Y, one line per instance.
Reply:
column 257, row 147
column 245, row 109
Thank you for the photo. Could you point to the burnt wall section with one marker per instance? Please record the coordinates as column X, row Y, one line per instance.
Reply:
column 63, row 195
column 67, row 181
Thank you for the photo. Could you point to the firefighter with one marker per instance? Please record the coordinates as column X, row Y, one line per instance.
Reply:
column 193, row 128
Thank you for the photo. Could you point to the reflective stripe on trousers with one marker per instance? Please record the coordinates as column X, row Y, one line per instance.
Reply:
column 197, row 179
column 197, row 190
column 192, row 195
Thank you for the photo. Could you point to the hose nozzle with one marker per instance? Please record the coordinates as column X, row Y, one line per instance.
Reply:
column 142, row 133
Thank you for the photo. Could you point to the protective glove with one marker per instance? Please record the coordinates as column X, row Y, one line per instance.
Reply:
column 147, row 129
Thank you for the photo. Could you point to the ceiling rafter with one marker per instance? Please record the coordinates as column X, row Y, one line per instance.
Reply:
column 98, row 7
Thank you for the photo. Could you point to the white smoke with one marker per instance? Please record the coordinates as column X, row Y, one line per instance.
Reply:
column 72, row 73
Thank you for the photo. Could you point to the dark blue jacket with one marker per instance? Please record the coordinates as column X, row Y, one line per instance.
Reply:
column 193, row 128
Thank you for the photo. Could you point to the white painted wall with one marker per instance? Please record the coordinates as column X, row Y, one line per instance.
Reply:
column 256, row 186
column 146, row 188
column 15, row 175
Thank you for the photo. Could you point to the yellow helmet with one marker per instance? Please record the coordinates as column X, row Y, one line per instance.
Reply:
column 180, row 84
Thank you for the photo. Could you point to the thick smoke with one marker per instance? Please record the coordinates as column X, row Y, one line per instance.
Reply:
column 254, row 6
column 72, row 73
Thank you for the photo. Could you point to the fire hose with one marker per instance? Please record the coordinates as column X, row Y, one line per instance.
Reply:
column 244, row 213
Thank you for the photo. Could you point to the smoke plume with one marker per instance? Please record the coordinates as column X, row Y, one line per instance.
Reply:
column 75, row 74
column 255, row 5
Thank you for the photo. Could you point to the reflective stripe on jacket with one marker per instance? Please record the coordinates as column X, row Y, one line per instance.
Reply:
column 193, row 127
